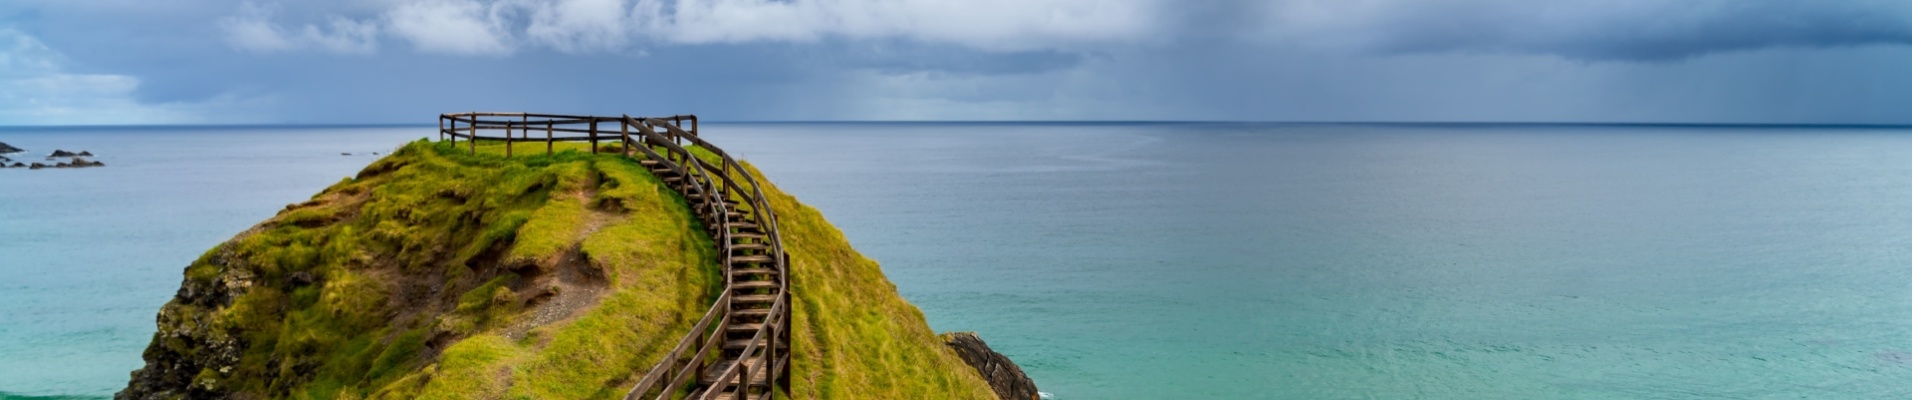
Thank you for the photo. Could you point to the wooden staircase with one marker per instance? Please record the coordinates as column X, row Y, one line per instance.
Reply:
column 740, row 348
column 750, row 335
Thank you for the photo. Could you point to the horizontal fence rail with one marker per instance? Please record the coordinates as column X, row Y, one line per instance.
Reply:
column 740, row 347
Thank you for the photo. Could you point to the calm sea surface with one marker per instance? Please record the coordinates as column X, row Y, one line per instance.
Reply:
column 1149, row 261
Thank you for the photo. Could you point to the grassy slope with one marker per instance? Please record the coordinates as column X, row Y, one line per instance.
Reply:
column 400, row 283
column 404, row 281
column 855, row 337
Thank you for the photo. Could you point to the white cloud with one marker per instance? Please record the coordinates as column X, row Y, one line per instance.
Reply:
column 252, row 30
column 40, row 92
column 983, row 24
column 501, row 27
column 459, row 27
column 580, row 26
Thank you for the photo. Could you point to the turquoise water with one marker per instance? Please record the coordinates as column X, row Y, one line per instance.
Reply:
column 1175, row 260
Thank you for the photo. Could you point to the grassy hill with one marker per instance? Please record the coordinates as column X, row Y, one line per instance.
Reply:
column 439, row 274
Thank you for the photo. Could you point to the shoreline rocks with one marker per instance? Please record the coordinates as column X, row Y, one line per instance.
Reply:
column 1002, row 374
column 74, row 160
column 6, row 149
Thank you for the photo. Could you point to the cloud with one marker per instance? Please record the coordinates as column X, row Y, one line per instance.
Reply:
column 39, row 91
column 502, row 27
column 1624, row 30
column 458, row 27
column 252, row 30
column 580, row 26
column 982, row 24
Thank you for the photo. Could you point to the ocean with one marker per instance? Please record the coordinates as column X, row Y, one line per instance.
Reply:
column 1168, row 260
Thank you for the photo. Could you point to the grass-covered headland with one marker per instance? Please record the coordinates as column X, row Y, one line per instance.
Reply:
column 440, row 274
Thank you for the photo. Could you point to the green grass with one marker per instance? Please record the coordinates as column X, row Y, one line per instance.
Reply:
column 411, row 280
column 400, row 282
column 854, row 337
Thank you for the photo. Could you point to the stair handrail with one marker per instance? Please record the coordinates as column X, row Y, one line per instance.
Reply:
column 695, row 169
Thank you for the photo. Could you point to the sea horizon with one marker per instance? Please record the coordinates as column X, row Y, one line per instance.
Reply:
column 1442, row 261
column 1779, row 125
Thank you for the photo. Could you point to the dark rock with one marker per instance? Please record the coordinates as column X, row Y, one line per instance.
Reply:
column 191, row 352
column 61, row 153
column 84, row 153
column 1002, row 374
column 17, row 164
column 81, row 162
column 36, row 166
column 62, row 165
column 345, row 154
column 5, row 149
column 301, row 278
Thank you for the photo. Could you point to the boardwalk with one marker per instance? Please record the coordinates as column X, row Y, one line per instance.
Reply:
column 740, row 348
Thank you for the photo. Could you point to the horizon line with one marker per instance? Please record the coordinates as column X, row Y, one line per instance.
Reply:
column 1038, row 122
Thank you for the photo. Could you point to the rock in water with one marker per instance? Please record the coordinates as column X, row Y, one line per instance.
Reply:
column 62, row 153
column 1002, row 374
column 4, row 149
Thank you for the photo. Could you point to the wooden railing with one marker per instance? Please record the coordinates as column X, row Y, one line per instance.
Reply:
column 705, row 186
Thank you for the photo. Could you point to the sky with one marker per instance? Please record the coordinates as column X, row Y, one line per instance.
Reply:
column 95, row 62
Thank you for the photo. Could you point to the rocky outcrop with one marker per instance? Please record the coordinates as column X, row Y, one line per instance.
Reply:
column 82, row 163
column 74, row 160
column 4, row 149
column 189, row 345
column 1002, row 374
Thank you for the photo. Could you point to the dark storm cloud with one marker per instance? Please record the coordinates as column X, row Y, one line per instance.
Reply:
column 1626, row 30
column 1346, row 60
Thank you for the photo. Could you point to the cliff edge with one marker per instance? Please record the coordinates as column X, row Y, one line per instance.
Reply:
column 439, row 274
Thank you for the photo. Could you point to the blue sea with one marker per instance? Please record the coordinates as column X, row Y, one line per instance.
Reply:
column 1169, row 260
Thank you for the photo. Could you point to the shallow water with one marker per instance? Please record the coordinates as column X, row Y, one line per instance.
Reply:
column 1173, row 260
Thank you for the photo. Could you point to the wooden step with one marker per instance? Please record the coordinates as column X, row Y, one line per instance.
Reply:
column 752, row 271
column 752, row 285
column 753, row 258
column 758, row 376
column 741, row 328
column 747, row 235
column 739, row 344
column 753, row 299
column 750, row 312
column 736, row 247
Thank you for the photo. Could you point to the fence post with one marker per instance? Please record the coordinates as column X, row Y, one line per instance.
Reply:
column 594, row 122
column 624, row 131
column 547, row 138
column 508, row 138
column 473, row 139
